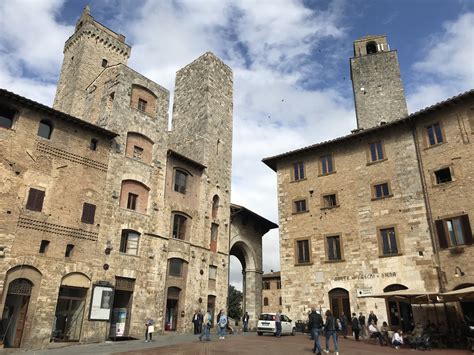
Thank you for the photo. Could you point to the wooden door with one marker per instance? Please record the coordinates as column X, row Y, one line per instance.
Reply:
column 20, row 324
column 339, row 301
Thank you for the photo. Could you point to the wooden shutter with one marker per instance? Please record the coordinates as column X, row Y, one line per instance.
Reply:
column 88, row 213
column 466, row 229
column 35, row 200
column 443, row 241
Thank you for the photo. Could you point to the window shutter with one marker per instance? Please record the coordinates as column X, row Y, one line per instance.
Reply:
column 88, row 213
column 443, row 242
column 466, row 229
column 35, row 200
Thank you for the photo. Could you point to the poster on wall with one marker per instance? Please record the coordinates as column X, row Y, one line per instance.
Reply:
column 101, row 302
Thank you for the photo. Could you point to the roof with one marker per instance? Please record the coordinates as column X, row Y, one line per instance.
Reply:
column 272, row 275
column 51, row 111
column 186, row 159
column 263, row 222
column 272, row 161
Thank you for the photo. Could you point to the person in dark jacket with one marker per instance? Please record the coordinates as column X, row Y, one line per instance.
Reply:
column 343, row 320
column 372, row 317
column 245, row 321
column 355, row 326
column 316, row 322
column 195, row 321
column 363, row 328
column 330, row 331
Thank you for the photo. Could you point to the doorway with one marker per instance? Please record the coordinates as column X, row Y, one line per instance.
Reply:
column 400, row 315
column 339, row 302
column 211, row 307
column 14, row 312
column 122, row 308
column 69, row 313
column 172, row 304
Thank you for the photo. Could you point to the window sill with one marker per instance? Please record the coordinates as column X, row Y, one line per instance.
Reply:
column 381, row 198
column 334, row 261
column 330, row 207
column 132, row 255
column 300, row 212
column 133, row 211
column 143, row 112
column 138, row 160
column 447, row 183
column 390, row 255
column 376, row 161
column 434, row 145
column 299, row 180
column 304, row 264
column 331, row 173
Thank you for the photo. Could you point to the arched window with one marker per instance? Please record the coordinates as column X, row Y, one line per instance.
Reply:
column 176, row 267
column 179, row 226
column 139, row 147
column 215, row 206
column 371, row 47
column 180, row 181
column 134, row 196
column 144, row 100
column 6, row 117
column 129, row 242
column 395, row 287
column 45, row 129
column 265, row 301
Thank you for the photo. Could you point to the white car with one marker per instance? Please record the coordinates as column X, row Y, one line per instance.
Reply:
column 266, row 324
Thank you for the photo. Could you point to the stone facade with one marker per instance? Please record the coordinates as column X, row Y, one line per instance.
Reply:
column 112, row 219
column 371, row 212
column 271, row 294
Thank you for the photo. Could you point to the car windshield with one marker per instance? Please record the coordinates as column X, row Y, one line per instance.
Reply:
column 266, row 317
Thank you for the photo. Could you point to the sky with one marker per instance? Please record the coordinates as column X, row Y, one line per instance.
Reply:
column 290, row 61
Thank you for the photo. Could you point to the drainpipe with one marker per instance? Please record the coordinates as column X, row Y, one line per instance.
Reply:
column 429, row 215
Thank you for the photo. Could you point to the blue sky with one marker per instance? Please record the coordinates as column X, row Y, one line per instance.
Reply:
column 290, row 60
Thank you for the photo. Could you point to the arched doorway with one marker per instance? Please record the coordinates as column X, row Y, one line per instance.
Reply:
column 172, row 306
column 400, row 313
column 339, row 302
column 70, row 307
column 14, row 312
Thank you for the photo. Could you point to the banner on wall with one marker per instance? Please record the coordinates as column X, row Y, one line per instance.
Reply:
column 101, row 302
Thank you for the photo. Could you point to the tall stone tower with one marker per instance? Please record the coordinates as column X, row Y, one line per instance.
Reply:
column 92, row 48
column 378, row 89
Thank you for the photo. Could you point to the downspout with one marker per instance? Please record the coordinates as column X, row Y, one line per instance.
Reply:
column 429, row 215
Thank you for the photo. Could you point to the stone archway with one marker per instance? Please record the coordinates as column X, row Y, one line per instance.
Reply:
column 247, row 230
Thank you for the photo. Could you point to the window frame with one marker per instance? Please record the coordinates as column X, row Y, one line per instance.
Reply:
column 181, row 269
column 137, row 149
column 69, row 250
column 323, row 200
column 265, row 301
column 132, row 201
column 380, row 243
column 32, row 202
column 45, row 122
column 141, row 104
column 88, row 213
column 369, row 152
column 182, row 230
column 175, row 185
column 12, row 119
column 44, row 246
column 323, row 167
column 125, row 241
column 294, row 205
column 326, row 248
column 296, row 252
column 444, row 240
column 296, row 169
column 435, row 179
column 373, row 188
column 427, row 136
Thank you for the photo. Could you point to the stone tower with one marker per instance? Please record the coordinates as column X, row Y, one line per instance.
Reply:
column 92, row 48
column 378, row 91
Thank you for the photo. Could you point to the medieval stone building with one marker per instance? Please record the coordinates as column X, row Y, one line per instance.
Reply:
column 271, row 292
column 107, row 218
column 388, row 207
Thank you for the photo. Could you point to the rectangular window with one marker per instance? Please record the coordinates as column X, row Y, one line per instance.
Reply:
column 329, row 200
column 35, row 200
column 334, row 248
column 141, row 105
column 443, row 175
column 266, row 285
column 435, row 135
column 278, row 284
column 44, row 246
column 137, row 152
column 176, row 267
column 179, row 227
column 132, row 201
column 88, row 213
column 326, row 165
column 212, row 272
column 376, row 151
column 6, row 117
column 104, row 63
column 69, row 249
column 302, row 249
column 454, row 231
column 388, row 241
column 298, row 171
column 180, row 178
column 129, row 242
column 300, row 206
column 381, row 190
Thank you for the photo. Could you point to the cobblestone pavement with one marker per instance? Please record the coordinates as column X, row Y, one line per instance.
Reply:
column 241, row 344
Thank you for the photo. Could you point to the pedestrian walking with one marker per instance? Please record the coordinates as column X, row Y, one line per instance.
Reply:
column 310, row 326
column 355, row 326
column 206, row 328
column 343, row 320
column 363, row 328
column 278, row 323
column 200, row 321
column 195, row 321
column 222, row 324
column 245, row 321
column 149, row 330
column 330, row 331
column 316, row 322
column 372, row 318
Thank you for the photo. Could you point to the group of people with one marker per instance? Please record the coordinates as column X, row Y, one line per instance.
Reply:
column 329, row 327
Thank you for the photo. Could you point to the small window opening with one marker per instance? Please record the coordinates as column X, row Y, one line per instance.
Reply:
column 141, row 105
column 371, row 47
column 132, row 201
column 69, row 249
column 44, row 246
column 45, row 129
column 137, row 152
column 6, row 117
column 104, row 63
column 330, row 200
column 443, row 175
column 93, row 144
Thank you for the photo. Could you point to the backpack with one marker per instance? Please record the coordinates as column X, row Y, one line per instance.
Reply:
column 223, row 322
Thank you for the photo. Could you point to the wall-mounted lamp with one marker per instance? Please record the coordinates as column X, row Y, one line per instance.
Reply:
column 115, row 194
column 458, row 272
column 108, row 247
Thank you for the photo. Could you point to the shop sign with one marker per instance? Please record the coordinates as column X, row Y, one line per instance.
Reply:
column 365, row 291
column 367, row 276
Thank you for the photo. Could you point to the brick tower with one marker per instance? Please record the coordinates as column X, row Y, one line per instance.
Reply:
column 378, row 88
column 92, row 48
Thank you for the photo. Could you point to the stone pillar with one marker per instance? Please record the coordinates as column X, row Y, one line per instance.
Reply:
column 253, row 295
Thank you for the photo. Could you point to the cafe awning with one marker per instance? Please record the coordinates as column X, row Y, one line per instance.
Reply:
column 458, row 295
column 411, row 296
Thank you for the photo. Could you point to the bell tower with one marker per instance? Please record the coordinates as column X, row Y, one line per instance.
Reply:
column 378, row 90
column 90, row 50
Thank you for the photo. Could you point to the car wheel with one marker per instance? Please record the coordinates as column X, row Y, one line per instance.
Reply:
column 259, row 333
column 293, row 332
